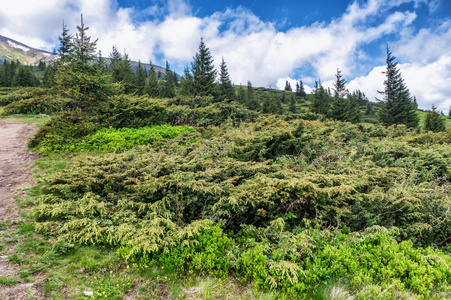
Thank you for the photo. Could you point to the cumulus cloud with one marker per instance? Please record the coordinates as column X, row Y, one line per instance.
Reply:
column 253, row 49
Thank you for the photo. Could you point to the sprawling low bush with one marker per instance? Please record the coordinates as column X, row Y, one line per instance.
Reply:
column 46, row 104
column 110, row 139
column 253, row 200
column 62, row 130
column 126, row 111
column 10, row 95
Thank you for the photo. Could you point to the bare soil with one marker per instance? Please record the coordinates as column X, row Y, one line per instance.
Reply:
column 15, row 175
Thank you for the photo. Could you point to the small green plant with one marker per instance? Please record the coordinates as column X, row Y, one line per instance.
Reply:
column 9, row 281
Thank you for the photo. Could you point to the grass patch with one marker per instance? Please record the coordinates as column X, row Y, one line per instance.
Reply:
column 8, row 281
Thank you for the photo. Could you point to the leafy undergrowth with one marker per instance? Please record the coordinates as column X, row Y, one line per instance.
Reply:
column 110, row 139
column 298, row 209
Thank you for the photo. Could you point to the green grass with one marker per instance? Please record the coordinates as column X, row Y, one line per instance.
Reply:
column 38, row 119
column 422, row 115
column 9, row 281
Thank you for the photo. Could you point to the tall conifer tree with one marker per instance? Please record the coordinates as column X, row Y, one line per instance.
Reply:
column 65, row 48
column 140, row 79
column 80, row 78
column 226, row 90
column 152, row 88
column 434, row 121
column 397, row 106
column 320, row 100
column 204, row 73
column 168, row 87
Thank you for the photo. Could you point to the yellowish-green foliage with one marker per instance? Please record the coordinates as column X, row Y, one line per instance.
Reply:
column 251, row 200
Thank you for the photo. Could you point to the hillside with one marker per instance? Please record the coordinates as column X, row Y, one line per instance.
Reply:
column 14, row 50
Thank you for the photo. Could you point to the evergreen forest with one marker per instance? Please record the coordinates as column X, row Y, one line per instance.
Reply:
column 157, row 185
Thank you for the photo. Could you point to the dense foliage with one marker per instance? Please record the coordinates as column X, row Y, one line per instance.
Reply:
column 247, row 183
column 161, row 204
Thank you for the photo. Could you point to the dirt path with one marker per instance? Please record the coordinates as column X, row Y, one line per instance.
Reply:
column 14, row 176
column 13, row 156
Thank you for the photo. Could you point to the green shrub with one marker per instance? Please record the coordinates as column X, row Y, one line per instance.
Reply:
column 46, row 104
column 132, row 112
column 10, row 95
column 110, row 139
column 62, row 130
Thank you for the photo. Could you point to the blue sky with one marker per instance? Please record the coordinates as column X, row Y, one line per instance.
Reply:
column 266, row 42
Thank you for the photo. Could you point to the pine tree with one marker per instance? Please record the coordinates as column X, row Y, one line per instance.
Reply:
column 252, row 102
column 272, row 104
column 65, row 47
column 23, row 77
column 42, row 65
column 113, row 68
column 152, row 88
column 292, row 107
column 140, row 79
column 415, row 103
column 397, row 106
column 302, row 92
column 320, row 100
column 168, row 87
column 241, row 95
column 368, row 109
column 288, row 86
column 226, row 90
column 187, row 84
column 341, row 105
column 434, row 121
column 84, row 51
column 80, row 78
column 48, row 80
column 203, row 71
column 122, row 71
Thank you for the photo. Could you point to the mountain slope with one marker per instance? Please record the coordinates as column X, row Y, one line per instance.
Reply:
column 13, row 50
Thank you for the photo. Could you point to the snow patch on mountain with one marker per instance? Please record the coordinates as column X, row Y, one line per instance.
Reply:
column 14, row 45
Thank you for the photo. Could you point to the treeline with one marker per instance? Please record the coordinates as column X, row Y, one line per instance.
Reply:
column 116, row 75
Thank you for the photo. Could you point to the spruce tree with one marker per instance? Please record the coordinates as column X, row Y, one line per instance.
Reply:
column 121, row 71
column 140, row 79
column 48, row 80
column 241, row 95
column 203, row 71
column 368, row 109
column 302, row 92
column 65, row 47
column 320, row 100
column 292, row 107
column 187, row 84
column 434, row 121
column 226, row 90
column 252, row 101
column 288, row 86
column 168, row 87
column 341, row 105
column 272, row 104
column 397, row 106
column 81, row 79
column 152, row 88
column 23, row 77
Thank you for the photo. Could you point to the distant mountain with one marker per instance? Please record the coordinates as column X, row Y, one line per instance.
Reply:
column 14, row 50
